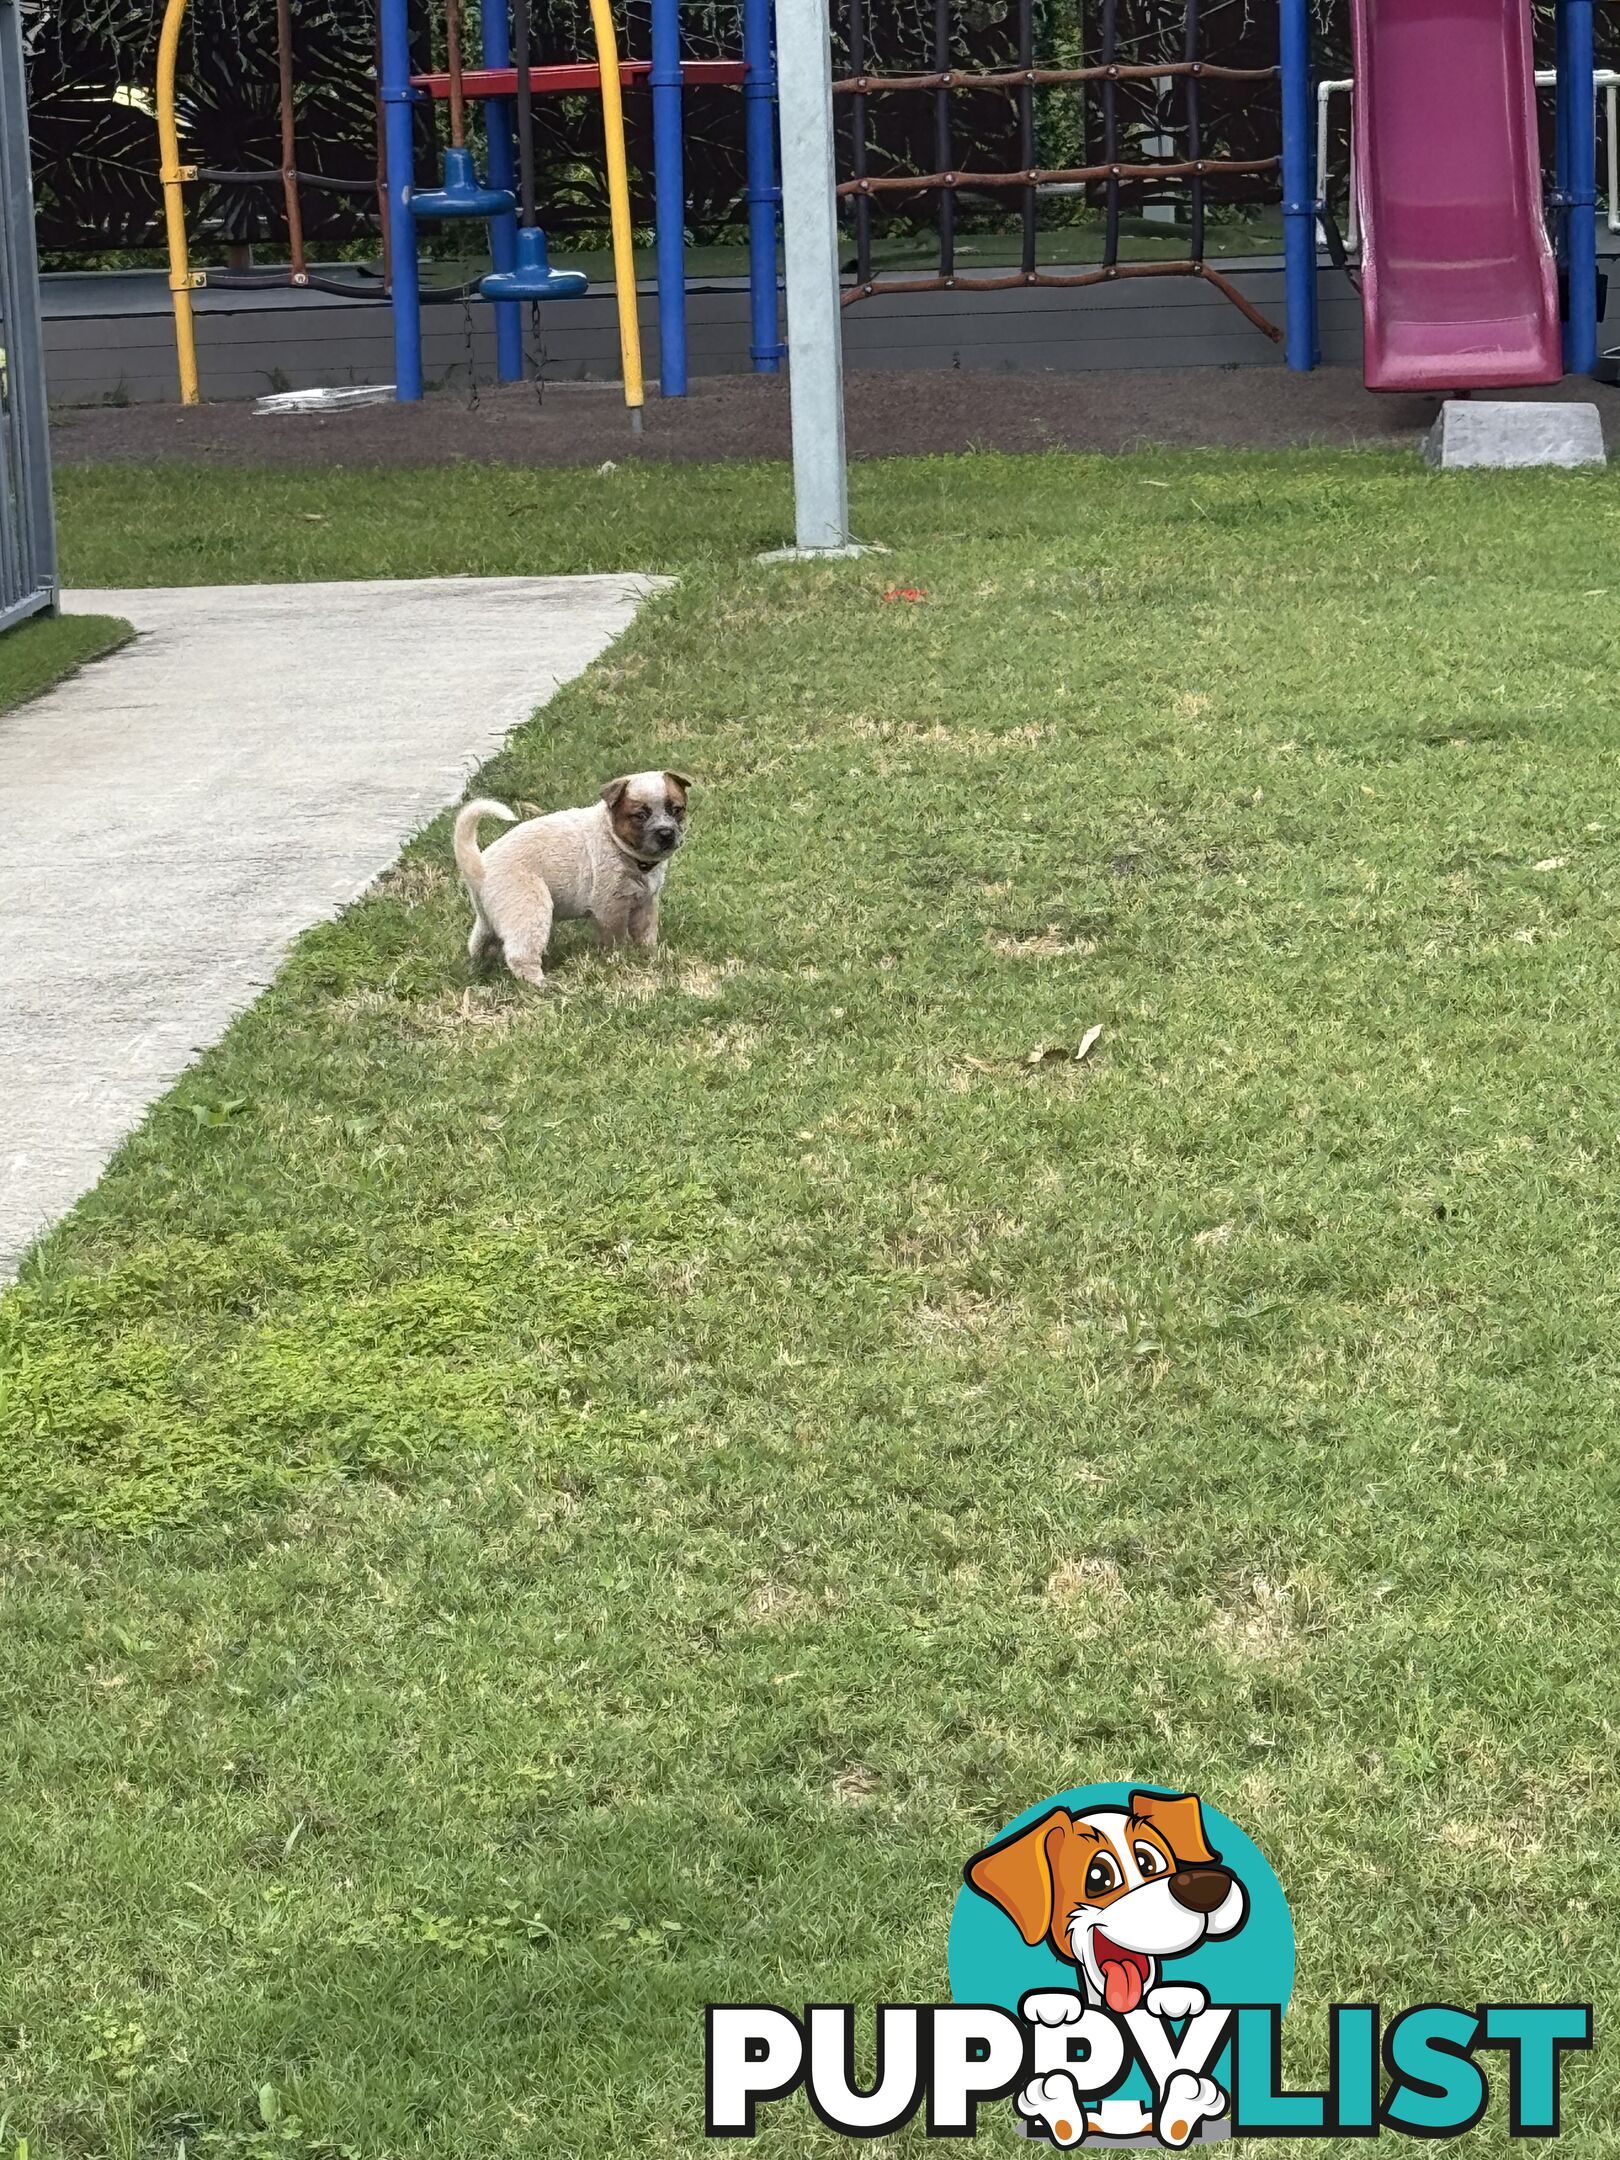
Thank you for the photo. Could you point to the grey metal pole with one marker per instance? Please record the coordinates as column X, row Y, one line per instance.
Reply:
column 810, row 238
column 20, row 330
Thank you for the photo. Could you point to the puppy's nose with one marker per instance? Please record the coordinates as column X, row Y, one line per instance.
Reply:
column 664, row 835
column 1200, row 1889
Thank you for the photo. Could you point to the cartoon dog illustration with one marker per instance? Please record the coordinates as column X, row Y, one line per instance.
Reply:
column 1116, row 1891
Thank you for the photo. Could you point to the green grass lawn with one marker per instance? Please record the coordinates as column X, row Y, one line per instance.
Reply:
column 532, row 1514
column 40, row 652
column 180, row 525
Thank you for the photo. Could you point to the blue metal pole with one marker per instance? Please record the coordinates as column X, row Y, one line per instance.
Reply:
column 1299, row 194
column 397, row 102
column 669, row 192
column 1577, row 140
column 502, row 173
column 764, row 196
column 1561, row 129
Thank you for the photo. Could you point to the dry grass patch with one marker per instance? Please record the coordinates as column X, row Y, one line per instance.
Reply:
column 1052, row 943
column 1259, row 1625
column 856, row 1785
column 1088, row 1583
column 967, row 1313
column 415, row 880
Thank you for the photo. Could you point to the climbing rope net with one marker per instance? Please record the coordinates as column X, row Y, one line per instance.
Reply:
column 1180, row 77
column 290, row 181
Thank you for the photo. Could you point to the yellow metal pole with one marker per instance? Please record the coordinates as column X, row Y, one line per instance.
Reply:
column 624, row 259
column 173, row 174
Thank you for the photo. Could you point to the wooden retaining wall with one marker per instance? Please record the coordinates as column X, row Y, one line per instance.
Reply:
column 110, row 336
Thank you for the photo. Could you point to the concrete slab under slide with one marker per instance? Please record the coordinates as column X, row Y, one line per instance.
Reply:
column 1486, row 431
column 176, row 815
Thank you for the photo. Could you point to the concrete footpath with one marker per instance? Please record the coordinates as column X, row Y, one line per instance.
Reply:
column 173, row 817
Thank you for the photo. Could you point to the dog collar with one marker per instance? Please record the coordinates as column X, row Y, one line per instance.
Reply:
column 644, row 864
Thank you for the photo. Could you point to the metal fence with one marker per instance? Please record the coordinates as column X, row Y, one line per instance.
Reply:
column 27, row 529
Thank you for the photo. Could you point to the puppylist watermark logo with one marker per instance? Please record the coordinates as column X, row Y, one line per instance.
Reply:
column 1120, row 1961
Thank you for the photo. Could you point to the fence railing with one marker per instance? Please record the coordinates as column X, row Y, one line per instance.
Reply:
column 27, row 529
column 1604, row 79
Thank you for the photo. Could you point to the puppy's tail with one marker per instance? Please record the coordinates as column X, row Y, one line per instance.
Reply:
column 469, row 861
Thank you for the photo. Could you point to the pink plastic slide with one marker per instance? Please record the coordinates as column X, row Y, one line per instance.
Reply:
column 1459, row 290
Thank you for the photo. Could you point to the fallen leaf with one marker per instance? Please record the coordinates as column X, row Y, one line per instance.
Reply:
column 1550, row 862
column 1060, row 1054
column 906, row 592
column 220, row 1113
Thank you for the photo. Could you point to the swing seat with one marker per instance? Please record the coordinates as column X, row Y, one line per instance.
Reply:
column 533, row 278
column 462, row 196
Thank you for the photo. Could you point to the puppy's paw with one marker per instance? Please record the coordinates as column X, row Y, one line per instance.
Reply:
column 1052, row 2006
column 1181, row 2000
column 1185, row 2103
column 1055, row 2101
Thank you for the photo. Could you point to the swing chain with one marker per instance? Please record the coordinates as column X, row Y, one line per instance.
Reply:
column 538, row 342
column 472, row 355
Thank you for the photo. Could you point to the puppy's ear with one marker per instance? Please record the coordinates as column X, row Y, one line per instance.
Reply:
column 1179, row 1820
column 613, row 793
column 1017, row 1874
column 679, row 780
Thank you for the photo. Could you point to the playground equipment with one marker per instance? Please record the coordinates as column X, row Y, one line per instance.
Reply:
column 531, row 276
column 504, row 200
column 462, row 195
column 1604, row 79
column 506, row 84
column 183, row 280
column 811, row 191
column 523, row 271
column 1460, row 283
column 1457, row 269
column 624, row 258
column 27, row 529
column 1112, row 173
